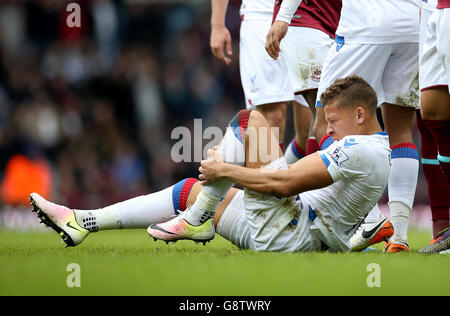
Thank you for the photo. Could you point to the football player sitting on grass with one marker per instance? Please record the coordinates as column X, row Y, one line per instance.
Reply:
column 315, row 204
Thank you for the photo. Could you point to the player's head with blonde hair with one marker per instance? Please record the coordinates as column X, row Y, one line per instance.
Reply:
column 350, row 107
column 351, row 91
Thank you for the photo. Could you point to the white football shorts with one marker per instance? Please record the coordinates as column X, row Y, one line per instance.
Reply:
column 266, row 223
column 263, row 79
column 391, row 69
column 435, row 48
column 305, row 50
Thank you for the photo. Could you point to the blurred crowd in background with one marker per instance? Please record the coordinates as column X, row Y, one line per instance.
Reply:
column 86, row 114
column 97, row 104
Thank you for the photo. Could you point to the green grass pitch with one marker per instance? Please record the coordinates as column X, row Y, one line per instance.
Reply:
column 130, row 263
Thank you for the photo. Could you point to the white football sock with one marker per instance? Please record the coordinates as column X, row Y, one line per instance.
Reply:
column 138, row 212
column 402, row 188
column 400, row 220
column 207, row 201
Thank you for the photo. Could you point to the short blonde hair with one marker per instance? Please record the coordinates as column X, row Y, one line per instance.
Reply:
column 352, row 91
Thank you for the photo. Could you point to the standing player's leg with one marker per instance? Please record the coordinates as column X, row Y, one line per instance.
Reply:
column 305, row 64
column 296, row 149
column 438, row 188
column 436, row 102
column 435, row 126
column 266, row 87
column 320, row 125
column 401, row 99
column 312, row 144
column 434, row 99
column 436, row 116
column 404, row 172
column 305, row 142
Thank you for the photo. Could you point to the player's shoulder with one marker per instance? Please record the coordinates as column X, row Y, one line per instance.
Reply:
column 352, row 143
column 361, row 149
column 364, row 142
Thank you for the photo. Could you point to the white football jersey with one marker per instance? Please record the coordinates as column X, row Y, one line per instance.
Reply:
column 359, row 166
column 379, row 21
column 257, row 9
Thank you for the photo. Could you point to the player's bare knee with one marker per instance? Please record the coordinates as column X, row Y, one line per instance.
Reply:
column 257, row 119
column 435, row 104
column 428, row 112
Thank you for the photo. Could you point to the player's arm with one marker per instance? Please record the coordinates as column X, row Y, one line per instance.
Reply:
column 220, row 36
column 306, row 174
column 280, row 27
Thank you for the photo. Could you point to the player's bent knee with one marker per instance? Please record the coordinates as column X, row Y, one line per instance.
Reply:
column 257, row 119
